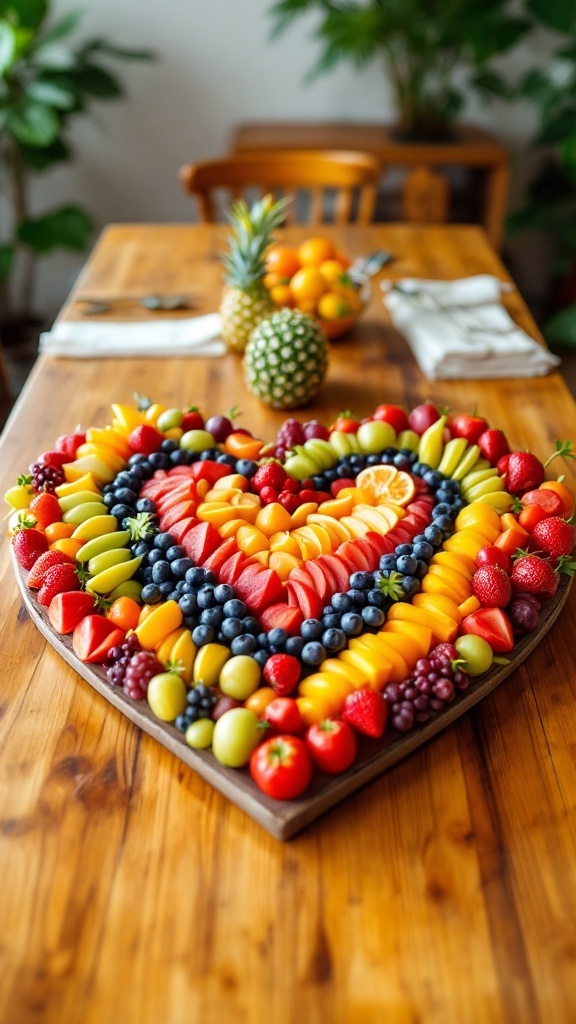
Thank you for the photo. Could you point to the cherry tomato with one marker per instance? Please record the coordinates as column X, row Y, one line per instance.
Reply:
column 345, row 423
column 468, row 426
column 393, row 415
column 281, row 767
column 332, row 745
column 284, row 716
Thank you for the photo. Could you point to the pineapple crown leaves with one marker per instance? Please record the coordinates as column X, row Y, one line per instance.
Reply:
column 563, row 449
column 392, row 586
column 252, row 227
column 140, row 526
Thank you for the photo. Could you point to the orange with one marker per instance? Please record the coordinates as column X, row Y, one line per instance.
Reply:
column 387, row 483
column 260, row 699
column 281, row 295
column 315, row 251
column 67, row 546
column 58, row 531
column 332, row 306
column 307, row 284
column 124, row 612
column 273, row 279
column 283, row 260
column 332, row 271
column 564, row 493
column 307, row 306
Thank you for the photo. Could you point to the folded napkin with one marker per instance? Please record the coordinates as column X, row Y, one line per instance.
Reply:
column 97, row 339
column 460, row 329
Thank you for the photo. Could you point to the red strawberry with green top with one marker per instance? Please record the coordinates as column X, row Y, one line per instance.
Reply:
column 271, row 474
column 58, row 580
column 46, row 509
column 145, row 439
column 534, row 575
column 554, row 535
column 469, row 426
column 491, row 586
column 366, row 711
column 493, row 625
column 282, row 672
column 493, row 445
column 66, row 610
column 28, row 545
column 42, row 566
column 69, row 444
column 523, row 473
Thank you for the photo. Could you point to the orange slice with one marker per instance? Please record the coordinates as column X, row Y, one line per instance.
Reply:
column 388, row 483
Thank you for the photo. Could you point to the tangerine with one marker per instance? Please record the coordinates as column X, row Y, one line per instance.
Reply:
column 281, row 295
column 307, row 284
column 283, row 260
column 315, row 251
column 332, row 306
column 387, row 483
column 332, row 271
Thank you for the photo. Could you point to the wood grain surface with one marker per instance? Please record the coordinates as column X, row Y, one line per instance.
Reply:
column 443, row 891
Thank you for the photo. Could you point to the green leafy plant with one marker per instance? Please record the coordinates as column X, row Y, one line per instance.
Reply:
column 434, row 50
column 551, row 205
column 45, row 81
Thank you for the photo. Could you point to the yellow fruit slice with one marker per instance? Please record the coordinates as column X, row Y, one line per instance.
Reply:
column 353, row 675
column 334, row 527
column 251, row 540
column 420, row 636
column 357, row 527
column 330, row 688
column 376, row 670
column 438, row 603
column 301, row 514
column 209, row 662
column 312, row 710
column 158, row 623
column 285, row 542
column 359, row 495
column 386, row 654
column 216, row 512
column 283, row 563
column 444, row 630
column 404, row 646
column 273, row 518
column 456, row 560
column 164, row 649
column 387, row 482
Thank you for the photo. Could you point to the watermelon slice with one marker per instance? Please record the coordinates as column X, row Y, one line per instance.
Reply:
column 175, row 496
column 319, row 580
column 282, row 616
column 210, row 471
column 216, row 560
column 382, row 544
column 304, row 598
column 340, row 571
column 369, row 550
column 301, row 575
column 179, row 530
column 232, row 567
column 354, row 556
column 181, row 471
column 185, row 510
column 259, row 587
column 201, row 541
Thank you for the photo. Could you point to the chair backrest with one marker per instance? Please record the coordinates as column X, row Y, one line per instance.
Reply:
column 341, row 185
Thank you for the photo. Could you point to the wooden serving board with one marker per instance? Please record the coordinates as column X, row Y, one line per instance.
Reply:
column 283, row 819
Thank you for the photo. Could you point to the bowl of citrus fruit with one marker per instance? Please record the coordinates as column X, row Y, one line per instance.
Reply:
column 315, row 277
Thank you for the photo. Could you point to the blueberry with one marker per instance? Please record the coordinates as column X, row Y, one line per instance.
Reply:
column 313, row 653
column 181, row 458
column 452, row 485
column 168, row 445
column 161, row 571
column 410, row 585
column 433, row 478
column 318, row 483
column 243, row 644
column 387, row 562
column 445, row 497
column 223, row 592
column 180, row 567
column 277, row 637
column 433, row 535
column 334, row 640
column 187, row 604
column 232, row 628
column 402, row 462
column 145, row 575
column 311, row 629
column 140, row 549
column 250, row 625
column 155, row 555
column 246, row 467
column 373, row 617
column 421, row 568
column 331, row 621
column 226, row 460
column 423, row 550
column 387, row 459
column 376, row 598
column 165, row 589
column 352, row 624
column 373, row 460
column 120, row 511
column 445, row 524
column 163, row 541
column 126, row 495
column 176, row 551
column 150, row 594
column 260, row 657
column 234, row 609
column 159, row 460
column 341, row 603
column 357, row 462
column 344, row 471
column 202, row 635
column 145, row 505
column 358, row 598
column 361, row 580
column 211, row 617
column 330, row 475
column 198, row 577
column 173, row 596
column 294, row 645
column 109, row 499
column 403, row 549
column 442, row 509
column 205, row 596
column 181, row 723
column 407, row 565
column 136, row 459
column 262, row 640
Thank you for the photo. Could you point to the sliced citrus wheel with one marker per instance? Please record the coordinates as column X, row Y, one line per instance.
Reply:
column 387, row 483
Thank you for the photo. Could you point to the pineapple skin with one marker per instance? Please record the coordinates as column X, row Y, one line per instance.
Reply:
column 240, row 311
column 286, row 360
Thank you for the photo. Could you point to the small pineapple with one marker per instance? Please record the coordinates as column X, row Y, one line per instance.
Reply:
column 246, row 299
column 286, row 359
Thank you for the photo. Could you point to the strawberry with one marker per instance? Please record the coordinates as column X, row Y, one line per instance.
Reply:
column 192, row 419
column 145, row 439
column 492, row 586
column 43, row 564
column 554, row 535
column 268, row 495
column 493, row 625
column 69, row 444
column 46, row 509
column 282, row 672
column 271, row 474
column 491, row 555
column 534, row 575
column 468, row 426
column 28, row 545
column 493, row 445
column 59, row 579
column 66, row 610
column 366, row 711
column 524, row 472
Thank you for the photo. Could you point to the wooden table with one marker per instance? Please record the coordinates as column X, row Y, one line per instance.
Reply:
column 444, row 891
column 425, row 196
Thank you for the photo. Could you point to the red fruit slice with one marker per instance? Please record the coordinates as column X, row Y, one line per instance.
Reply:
column 325, row 570
column 200, row 542
column 67, row 610
column 304, row 598
column 232, row 568
column 493, row 625
column 179, row 530
column 259, row 589
column 301, row 575
column 185, row 510
column 93, row 638
column 216, row 560
column 282, row 616
column 371, row 554
column 354, row 556
column 181, row 471
column 178, row 494
column 210, row 471
column 380, row 543
column 549, row 501
column 319, row 581
column 399, row 536
column 340, row 571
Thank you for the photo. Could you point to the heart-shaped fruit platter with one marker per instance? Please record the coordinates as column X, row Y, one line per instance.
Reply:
column 292, row 618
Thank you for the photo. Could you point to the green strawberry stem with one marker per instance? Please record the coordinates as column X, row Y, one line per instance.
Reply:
column 142, row 402
column 562, row 448
column 392, row 587
column 566, row 565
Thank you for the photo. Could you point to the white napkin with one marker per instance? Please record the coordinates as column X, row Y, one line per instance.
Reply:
column 460, row 329
column 95, row 339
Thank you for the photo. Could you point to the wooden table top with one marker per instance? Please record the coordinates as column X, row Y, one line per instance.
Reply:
column 443, row 891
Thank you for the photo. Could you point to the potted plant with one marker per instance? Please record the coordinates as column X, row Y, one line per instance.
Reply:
column 551, row 205
column 433, row 50
column 45, row 82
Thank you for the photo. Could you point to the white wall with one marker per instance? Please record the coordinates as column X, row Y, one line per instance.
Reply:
column 216, row 67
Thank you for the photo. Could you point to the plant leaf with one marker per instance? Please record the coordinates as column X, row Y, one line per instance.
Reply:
column 33, row 124
column 558, row 14
column 95, row 81
column 68, row 228
column 50, row 93
column 8, row 46
column 6, row 260
column 119, row 52
column 40, row 159
column 62, row 28
column 30, row 13
column 560, row 331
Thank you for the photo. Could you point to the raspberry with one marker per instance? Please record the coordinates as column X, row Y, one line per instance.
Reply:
column 272, row 474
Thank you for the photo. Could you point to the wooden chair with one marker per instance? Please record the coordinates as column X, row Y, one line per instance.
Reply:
column 346, row 177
